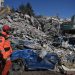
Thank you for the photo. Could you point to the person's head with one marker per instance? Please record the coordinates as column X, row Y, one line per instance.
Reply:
column 6, row 28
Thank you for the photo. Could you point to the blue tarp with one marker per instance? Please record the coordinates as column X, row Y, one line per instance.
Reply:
column 33, row 61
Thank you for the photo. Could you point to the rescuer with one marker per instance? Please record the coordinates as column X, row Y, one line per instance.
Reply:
column 5, row 48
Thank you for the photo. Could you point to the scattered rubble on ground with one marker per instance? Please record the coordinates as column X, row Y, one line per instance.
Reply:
column 37, row 33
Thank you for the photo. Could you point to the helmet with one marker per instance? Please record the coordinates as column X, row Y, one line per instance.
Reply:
column 6, row 28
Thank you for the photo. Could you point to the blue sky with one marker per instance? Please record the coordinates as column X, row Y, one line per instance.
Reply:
column 64, row 8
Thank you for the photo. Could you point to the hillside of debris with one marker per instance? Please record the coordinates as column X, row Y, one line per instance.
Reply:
column 39, row 33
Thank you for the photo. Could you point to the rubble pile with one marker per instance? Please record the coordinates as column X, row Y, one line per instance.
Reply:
column 36, row 33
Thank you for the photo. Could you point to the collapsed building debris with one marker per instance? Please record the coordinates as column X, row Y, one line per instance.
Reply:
column 38, row 34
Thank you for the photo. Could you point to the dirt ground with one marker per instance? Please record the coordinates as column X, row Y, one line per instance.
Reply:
column 37, row 73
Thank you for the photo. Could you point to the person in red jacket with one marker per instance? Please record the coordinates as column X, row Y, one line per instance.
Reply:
column 5, row 48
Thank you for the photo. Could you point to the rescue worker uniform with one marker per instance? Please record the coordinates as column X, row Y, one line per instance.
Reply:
column 6, row 50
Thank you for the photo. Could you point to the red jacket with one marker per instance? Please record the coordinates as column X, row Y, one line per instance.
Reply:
column 5, row 46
